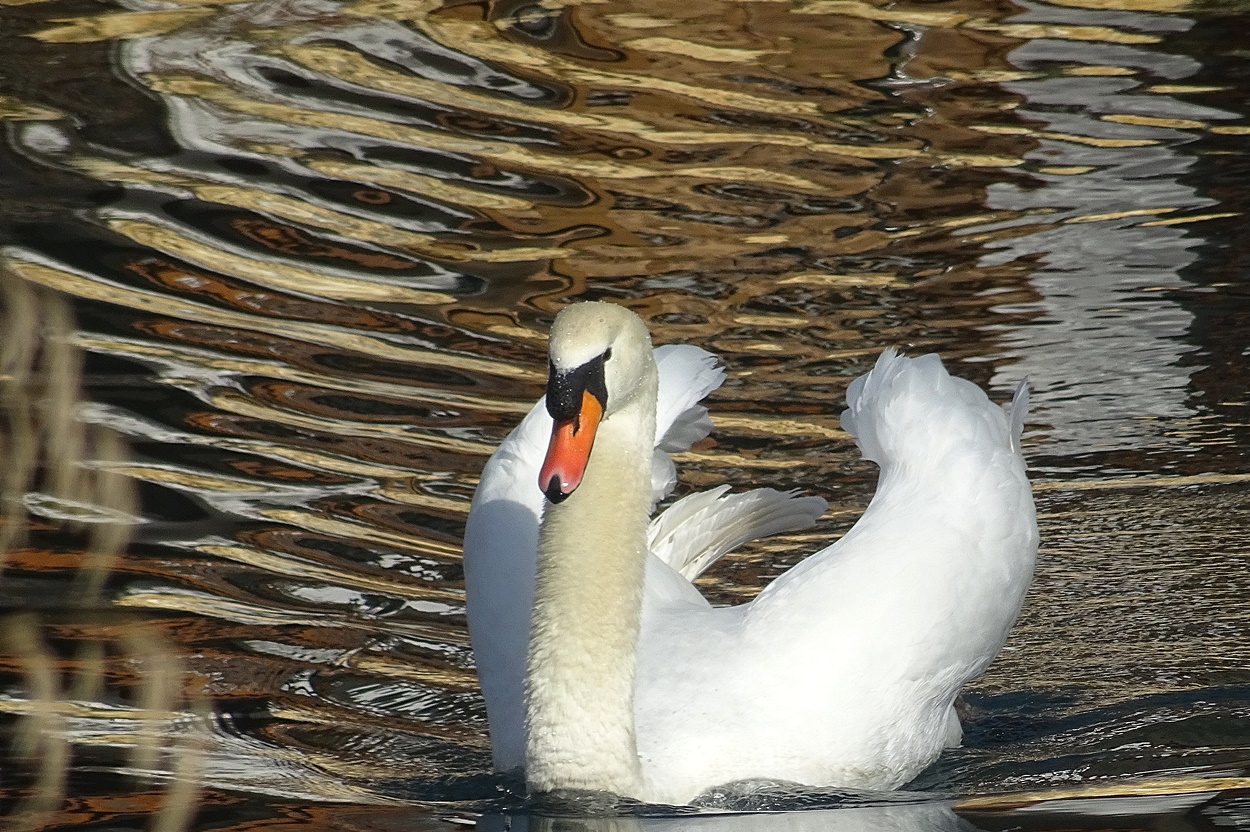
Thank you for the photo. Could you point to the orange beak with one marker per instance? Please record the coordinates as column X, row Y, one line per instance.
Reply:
column 569, row 450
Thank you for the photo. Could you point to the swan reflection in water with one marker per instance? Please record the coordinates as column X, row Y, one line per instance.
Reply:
column 895, row 817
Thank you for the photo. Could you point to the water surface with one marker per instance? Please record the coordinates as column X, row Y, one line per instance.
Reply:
column 303, row 256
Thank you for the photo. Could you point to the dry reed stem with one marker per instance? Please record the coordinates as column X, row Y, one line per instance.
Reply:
column 114, row 493
column 18, row 353
column 43, row 735
column 45, row 445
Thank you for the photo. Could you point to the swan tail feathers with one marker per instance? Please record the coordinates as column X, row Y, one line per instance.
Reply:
column 697, row 530
column 687, row 374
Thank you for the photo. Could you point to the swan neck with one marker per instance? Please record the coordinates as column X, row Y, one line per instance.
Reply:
column 588, row 599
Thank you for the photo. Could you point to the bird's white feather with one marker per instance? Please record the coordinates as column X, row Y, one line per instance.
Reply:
column 841, row 672
column 697, row 529
column 687, row 375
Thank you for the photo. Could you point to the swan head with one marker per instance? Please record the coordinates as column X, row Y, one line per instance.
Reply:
column 600, row 361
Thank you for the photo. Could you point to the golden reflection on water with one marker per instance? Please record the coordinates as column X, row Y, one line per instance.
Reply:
column 315, row 249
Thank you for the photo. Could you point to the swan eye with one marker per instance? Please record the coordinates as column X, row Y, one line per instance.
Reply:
column 607, row 353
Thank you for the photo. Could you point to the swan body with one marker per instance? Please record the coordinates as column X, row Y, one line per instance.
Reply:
column 604, row 668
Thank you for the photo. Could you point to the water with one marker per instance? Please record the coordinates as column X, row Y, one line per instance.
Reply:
column 303, row 255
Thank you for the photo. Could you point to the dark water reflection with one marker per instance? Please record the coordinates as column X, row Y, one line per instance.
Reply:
column 312, row 249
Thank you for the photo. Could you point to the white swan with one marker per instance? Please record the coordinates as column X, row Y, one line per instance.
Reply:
column 843, row 672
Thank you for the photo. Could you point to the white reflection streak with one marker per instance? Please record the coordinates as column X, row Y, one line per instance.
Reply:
column 1104, row 347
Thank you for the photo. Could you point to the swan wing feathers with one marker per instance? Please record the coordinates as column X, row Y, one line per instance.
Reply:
column 687, row 375
column 947, row 544
column 1017, row 411
column 500, row 554
column 903, row 408
column 693, row 532
column 696, row 530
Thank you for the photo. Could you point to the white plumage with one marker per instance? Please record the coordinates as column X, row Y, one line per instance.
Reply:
column 843, row 671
